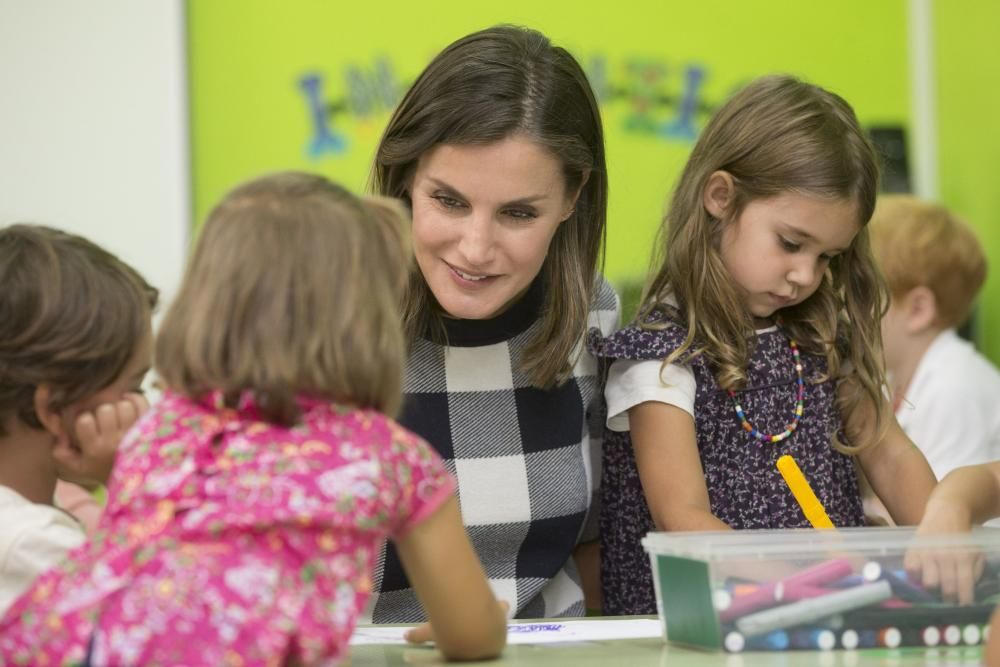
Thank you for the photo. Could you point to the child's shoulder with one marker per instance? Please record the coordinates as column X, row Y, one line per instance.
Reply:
column 366, row 428
column 653, row 335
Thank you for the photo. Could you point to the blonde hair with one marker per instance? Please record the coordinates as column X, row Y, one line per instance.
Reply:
column 483, row 88
column 293, row 288
column 920, row 244
column 71, row 316
column 778, row 135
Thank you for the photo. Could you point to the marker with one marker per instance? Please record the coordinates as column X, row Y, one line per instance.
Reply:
column 795, row 592
column 899, row 581
column 971, row 634
column 895, row 603
column 930, row 636
column 744, row 589
column 814, row 639
column 805, row 611
column 736, row 642
column 770, row 593
column 890, row 637
column 721, row 599
column 854, row 639
column 920, row 616
column 803, row 493
column 952, row 635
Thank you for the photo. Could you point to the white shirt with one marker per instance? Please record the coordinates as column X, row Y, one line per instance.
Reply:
column 33, row 538
column 951, row 409
column 633, row 382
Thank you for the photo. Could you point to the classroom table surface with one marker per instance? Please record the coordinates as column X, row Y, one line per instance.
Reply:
column 656, row 653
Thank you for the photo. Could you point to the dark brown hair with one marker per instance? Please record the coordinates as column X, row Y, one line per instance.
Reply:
column 483, row 88
column 778, row 135
column 71, row 316
column 293, row 289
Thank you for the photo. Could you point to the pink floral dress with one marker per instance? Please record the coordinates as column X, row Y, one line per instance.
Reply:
column 228, row 540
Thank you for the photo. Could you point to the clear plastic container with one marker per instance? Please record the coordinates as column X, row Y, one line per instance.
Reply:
column 810, row 589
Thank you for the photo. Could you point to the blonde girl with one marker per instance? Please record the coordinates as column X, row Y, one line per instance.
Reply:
column 246, row 508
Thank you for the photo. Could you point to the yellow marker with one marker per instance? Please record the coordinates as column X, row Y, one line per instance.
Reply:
column 807, row 500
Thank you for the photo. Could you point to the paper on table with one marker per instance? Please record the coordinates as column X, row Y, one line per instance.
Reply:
column 546, row 632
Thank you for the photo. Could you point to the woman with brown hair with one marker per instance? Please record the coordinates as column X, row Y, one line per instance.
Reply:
column 499, row 151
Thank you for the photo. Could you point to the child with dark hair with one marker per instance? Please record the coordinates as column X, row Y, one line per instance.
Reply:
column 247, row 507
column 75, row 344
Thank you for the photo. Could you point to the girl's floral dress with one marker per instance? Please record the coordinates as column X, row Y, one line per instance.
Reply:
column 228, row 540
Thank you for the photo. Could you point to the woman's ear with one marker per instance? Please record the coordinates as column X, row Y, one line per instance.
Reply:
column 718, row 193
column 571, row 201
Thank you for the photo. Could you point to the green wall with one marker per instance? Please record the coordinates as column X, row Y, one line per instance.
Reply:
column 968, row 109
column 249, row 113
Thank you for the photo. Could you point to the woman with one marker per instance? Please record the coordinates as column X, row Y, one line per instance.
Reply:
column 499, row 151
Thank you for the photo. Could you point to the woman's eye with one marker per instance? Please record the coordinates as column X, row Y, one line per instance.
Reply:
column 519, row 214
column 447, row 202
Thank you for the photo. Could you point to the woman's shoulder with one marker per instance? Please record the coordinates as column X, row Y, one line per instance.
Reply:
column 605, row 297
column 605, row 307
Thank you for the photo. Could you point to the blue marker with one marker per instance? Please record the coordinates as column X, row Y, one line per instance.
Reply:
column 813, row 639
column 855, row 639
column 899, row 581
column 736, row 642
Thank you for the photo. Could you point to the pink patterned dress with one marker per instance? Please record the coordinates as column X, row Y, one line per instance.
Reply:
column 228, row 540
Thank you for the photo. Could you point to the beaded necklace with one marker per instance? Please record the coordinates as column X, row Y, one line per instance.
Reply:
column 796, row 415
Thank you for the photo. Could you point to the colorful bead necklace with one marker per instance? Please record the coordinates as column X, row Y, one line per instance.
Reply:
column 796, row 416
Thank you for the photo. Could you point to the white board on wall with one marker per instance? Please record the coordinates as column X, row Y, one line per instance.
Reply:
column 93, row 126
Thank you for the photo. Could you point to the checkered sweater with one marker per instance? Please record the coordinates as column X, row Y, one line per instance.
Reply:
column 526, row 459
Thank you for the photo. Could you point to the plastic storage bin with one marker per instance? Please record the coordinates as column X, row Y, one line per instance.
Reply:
column 820, row 589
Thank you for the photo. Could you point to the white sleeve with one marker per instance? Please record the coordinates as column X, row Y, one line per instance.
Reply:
column 633, row 382
column 36, row 549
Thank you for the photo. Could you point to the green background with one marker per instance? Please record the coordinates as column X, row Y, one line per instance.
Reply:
column 249, row 114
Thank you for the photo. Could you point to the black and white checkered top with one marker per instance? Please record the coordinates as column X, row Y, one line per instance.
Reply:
column 526, row 459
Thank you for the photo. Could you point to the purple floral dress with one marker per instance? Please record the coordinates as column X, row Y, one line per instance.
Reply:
column 229, row 540
column 744, row 486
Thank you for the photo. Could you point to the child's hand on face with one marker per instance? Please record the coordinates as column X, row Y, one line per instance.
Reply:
column 100, row 431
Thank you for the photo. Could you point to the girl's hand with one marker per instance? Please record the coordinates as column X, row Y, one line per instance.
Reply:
column 953, row 570
column 425, row 632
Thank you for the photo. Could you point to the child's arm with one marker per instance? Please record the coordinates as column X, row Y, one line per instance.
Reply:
column 890, row 461
column 666, row 454
column 965, row 497
column 465, row 619
column 587, row 557
column 80, row 503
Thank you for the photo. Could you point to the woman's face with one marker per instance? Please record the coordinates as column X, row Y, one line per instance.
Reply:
column 483, row 218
